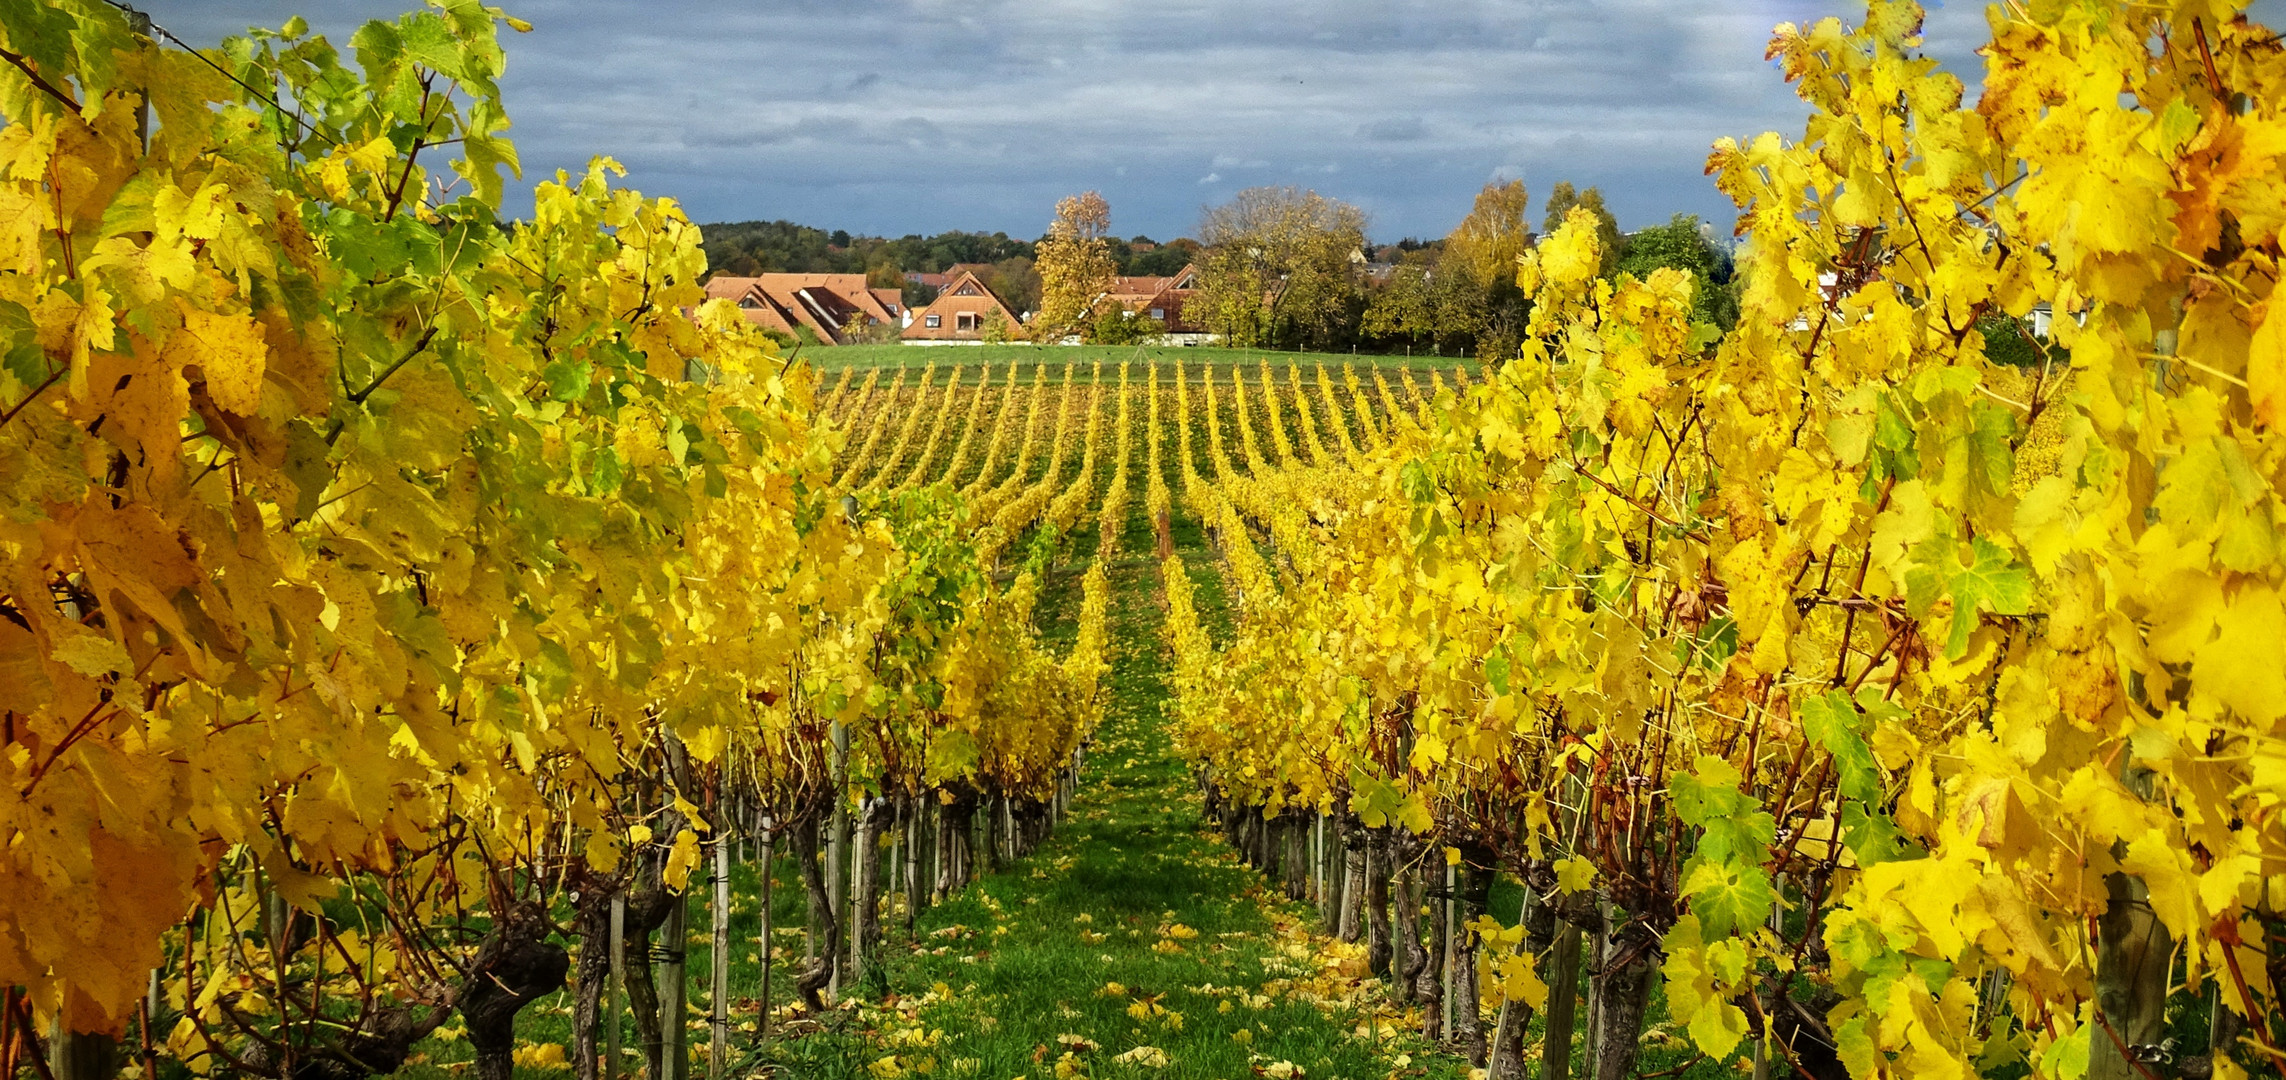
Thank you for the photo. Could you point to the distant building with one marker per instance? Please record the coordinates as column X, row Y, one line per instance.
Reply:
column 1163, row 299
column 832, row 306
column 961, row 313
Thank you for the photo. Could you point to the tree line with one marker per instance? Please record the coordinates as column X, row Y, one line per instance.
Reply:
column 1279, row 267
column 758, row 247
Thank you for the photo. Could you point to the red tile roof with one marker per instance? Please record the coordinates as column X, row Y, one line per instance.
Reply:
column 829, row 304
column 964, row 294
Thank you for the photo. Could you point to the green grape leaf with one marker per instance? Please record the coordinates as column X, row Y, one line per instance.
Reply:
column 1992, row 582
column 1834, row 722
column 1728, row 897
column 1734, row 826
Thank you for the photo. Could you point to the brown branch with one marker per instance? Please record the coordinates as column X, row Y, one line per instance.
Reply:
column 2124, row 1053
column 2261, row 1031
column 36, row 392
column 2207, row 58
column 24, row 1028
column 404, row 177
column 359, row 397
column 1622, row 496
column 25, row 65
column 94, row 719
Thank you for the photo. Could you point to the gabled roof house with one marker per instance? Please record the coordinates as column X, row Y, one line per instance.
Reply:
column 960, row 314
column 832, row 306
column 1161, row 298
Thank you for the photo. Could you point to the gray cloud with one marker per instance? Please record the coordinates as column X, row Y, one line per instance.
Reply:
column 923, row 115
column 1395, row 129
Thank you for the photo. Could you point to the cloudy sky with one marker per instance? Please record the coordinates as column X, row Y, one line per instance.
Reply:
column 901, row 116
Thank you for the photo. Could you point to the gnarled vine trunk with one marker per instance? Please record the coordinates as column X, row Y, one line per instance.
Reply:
column 825, row 923
column 591, row 921
column 1377, row 944
column 514, row 966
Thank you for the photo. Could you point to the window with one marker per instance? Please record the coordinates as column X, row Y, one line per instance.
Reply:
column 933, row 322
column 966, row 290
column 1159, row 313
column 748, row 303
column 966, row 320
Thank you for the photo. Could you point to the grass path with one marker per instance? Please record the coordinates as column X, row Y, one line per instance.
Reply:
column 1132, row 944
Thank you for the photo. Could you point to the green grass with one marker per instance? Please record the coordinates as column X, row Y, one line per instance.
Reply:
column 835, row 358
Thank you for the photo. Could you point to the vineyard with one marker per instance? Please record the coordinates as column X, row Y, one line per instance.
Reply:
column 437, row 643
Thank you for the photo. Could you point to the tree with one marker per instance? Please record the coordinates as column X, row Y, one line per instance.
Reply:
column 1681, row 245
column 1495, row 232
column 1481, row 298
column 1406, row 307
column 1166, row 260
column 1279, row 267
column 1460, row 292
column 1075, row 265
column 1016, row 281
column 1563, row 197
column 1115, row 325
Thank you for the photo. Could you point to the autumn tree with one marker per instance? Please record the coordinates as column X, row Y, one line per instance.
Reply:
column 1074, row 264
column 1480, row 259
column 1405, row 305
column 1463, row 292
column 1280, row 267
column 1495, row 232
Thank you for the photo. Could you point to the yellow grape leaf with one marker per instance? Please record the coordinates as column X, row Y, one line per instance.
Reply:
column 1414, row 814
column 299, row 887
column 542, row 1056
column 2245, row 665
column 690, row 811
column 681, row 860
column 1574, row 874
column 2266, row 365
column 232, row 352
column 2182, row 614
column 706, row 743
column 91, row 654
column 602, row 851
column 1150, row 1056
column 2045, row 521
column 2219, row 886
column 1700, row 981
column 1429, row 751
column 1513, row 977
column 639, row 834
column 2167, row 873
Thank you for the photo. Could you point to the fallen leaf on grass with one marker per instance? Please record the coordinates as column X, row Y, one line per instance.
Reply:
column 1150, row 1056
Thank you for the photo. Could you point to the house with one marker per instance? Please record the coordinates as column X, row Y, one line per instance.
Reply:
column 1161, row 298
column 833, row 307
column 961, row 314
